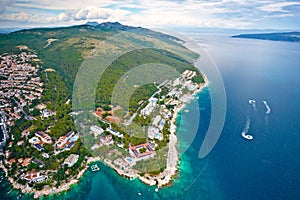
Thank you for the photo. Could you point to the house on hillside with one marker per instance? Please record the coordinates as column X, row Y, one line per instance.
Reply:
column 71, row 160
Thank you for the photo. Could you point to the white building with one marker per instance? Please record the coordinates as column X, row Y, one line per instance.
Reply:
column 45, row 155
column 115, row 133
column 152, row 131
column 176, row 82
column 44, row 137
column 97, row 130
column 71, row 160
column 156, row 120
column 35, row 177
column 150, row 107
column 46, row 113
column 64, row 141
column 162, row 124
column 34, row 140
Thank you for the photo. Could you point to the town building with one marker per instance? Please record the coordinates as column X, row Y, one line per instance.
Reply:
column 46, row 113
column 135, row 151
column 34, row 177
column 150, row 107
column 38, row 147
column 107, row 140
column 44, row 137
column 34, row 140
column 97, row 130
column 26, row 162
column 115, row 133
column 65, row 142
column 71, row 160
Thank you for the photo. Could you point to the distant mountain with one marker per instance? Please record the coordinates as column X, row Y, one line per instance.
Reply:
column 285, row 36
column 92, row 23
column 115, row 26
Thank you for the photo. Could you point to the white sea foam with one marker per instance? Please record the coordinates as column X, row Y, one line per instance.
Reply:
column 267, row 106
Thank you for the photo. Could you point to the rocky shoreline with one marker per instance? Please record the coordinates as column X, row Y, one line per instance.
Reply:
column 45, row 191
column 165, row 177
column 162, row 179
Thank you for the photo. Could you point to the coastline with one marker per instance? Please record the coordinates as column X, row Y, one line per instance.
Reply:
column 65, row 186
column 45, row 191
column 193, row 181
column 165, row 177
column 162, row 179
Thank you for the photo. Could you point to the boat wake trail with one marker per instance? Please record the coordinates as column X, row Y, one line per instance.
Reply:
column 267, row 121
column 253, row 103
column 267, row 106
column 246, row 129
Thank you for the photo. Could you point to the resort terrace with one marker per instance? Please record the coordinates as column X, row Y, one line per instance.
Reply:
column 135, row 151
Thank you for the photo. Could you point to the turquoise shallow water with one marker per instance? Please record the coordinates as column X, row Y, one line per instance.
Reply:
column 267, row 167
column 193, row 177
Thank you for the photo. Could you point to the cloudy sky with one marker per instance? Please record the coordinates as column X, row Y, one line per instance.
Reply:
column 275, row 14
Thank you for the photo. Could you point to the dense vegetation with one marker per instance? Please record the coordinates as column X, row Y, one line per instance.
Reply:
column 73, row 44
column 131, row 60
column 65, row 55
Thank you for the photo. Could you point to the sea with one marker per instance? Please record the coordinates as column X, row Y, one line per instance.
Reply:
column 266, row 167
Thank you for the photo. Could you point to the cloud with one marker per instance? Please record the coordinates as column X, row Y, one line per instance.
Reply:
column 189, row 13
column 4, row 4
column 92, row 13
column 80, row 15
column 278, row 7
column 143, row 12
column 20, row 17
column 63, row 4
column 212, row 13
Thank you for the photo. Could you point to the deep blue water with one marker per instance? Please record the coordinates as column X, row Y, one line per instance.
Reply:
column 268, row 167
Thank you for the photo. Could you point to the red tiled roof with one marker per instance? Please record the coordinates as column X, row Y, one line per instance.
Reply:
column 11, row 161
column 26, row 162
column 149, row 150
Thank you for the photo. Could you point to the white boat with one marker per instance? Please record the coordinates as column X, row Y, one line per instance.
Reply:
column 267, row 107
column 251, row 101
column 246, row 136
